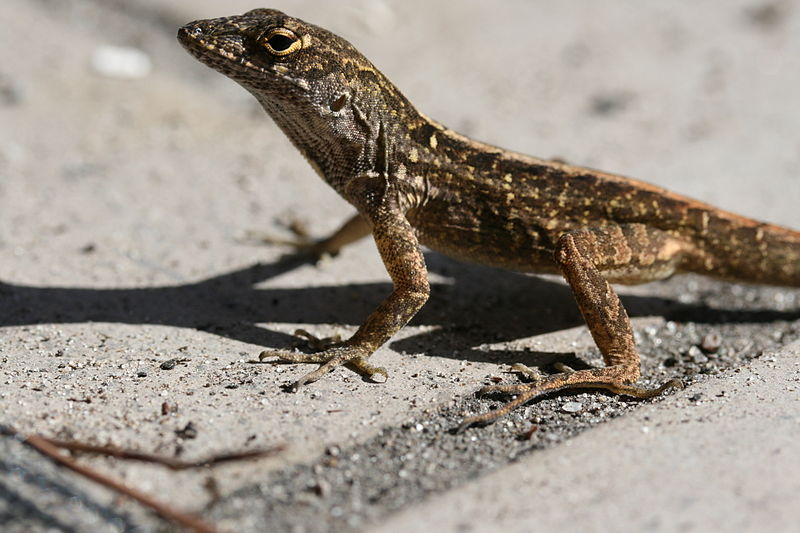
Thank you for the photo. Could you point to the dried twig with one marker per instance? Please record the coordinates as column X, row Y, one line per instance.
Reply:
column 172, row 464
column 51, row 448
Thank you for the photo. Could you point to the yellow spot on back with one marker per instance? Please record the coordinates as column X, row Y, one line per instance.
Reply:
column 434, row 141
column 413, row 155
column 508, row 178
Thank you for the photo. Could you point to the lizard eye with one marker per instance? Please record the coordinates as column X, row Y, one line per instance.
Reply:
column 281, row 42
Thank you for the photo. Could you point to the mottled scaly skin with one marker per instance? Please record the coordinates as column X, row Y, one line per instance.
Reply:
column 414, row 182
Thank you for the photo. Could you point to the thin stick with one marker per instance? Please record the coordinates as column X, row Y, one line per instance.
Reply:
column 173, row 464
column 46, row 448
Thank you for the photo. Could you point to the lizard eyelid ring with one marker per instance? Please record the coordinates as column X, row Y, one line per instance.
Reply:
column 281, row 42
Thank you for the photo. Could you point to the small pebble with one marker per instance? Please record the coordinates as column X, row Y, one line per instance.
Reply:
column 711, row 342
column 322, row 488
column 572, row 407
column 189, row 431
column 696, row 355
column 333, row 451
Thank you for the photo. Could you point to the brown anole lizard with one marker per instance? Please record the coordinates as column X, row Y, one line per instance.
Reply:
column 414, row 182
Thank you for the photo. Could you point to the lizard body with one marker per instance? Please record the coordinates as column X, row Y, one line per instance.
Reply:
column 414, row 182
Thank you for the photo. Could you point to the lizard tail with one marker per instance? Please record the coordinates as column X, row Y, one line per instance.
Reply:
column 741, row 249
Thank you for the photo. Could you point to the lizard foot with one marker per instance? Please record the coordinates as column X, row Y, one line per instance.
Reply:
column 603, row 378
column 532, row 374
column 329, row 353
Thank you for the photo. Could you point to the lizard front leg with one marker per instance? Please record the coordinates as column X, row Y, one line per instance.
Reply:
column 633, row 253
column 354, row 229
column 401, row 254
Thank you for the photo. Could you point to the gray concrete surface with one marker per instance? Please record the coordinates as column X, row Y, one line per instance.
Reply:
column 727, row 461
column 123, row 206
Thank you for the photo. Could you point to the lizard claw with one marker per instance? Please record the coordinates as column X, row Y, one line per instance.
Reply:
column 461, row 428
column 290, row 387
column 468, row 423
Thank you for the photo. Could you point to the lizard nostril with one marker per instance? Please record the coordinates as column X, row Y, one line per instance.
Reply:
column 187, row 32
column 191, row 30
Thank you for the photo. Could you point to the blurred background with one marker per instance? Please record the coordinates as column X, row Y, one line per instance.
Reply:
column 111, row 133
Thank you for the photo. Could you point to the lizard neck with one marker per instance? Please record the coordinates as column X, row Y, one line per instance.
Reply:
column 313, row 136
column 359, row 138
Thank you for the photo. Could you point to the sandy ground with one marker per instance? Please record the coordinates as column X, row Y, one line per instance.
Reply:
column 124, row 210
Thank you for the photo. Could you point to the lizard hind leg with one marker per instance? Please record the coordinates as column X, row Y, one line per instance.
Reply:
column 588, row 258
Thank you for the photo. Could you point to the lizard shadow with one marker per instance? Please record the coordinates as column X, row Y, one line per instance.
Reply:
column 474, row 306
column 487, row 305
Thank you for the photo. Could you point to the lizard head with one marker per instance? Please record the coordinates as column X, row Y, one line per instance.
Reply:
column 264, row 50
column 314, row 84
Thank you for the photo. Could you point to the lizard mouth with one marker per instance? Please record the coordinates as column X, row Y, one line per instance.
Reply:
column 225, row 49
column 224, row 52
